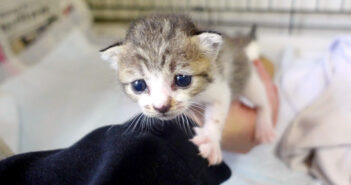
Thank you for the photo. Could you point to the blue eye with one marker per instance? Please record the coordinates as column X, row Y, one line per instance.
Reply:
column 182, row 80
column 139, row 85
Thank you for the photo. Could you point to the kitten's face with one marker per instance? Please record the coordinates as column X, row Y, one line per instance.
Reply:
column 164, row 77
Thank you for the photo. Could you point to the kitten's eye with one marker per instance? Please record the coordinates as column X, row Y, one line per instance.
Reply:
column 182, row 80
column 139, row 85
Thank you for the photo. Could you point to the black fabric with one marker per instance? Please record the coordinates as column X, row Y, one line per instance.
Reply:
column 116, row 155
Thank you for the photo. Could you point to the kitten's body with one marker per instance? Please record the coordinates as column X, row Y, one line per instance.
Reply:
column 158, row 48
column 234, row 76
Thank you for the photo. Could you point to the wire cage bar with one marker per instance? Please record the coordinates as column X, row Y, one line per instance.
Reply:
column 291, row 15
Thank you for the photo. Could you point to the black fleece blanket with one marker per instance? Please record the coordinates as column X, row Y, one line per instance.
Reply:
column 130, row 154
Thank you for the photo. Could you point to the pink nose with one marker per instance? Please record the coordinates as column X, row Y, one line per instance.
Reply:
column 163, row 108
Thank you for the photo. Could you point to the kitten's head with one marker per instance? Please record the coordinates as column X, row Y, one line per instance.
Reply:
column 164, row 62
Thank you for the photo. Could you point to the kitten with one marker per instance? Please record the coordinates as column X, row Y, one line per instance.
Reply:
column 167, row 65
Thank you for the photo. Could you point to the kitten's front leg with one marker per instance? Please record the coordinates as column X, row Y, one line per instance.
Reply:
column 208, row 137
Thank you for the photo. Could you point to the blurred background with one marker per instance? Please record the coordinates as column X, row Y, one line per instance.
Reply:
column 54, row 88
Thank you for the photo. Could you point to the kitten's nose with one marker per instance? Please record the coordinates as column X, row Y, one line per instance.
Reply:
column 163, row 108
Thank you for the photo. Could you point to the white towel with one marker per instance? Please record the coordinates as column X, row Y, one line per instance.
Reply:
column 318, row 140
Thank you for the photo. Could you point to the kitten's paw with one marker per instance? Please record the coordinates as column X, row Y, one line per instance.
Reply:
column 209, row 146
column 264, row 133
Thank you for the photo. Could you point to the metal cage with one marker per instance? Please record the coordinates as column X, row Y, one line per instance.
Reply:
column 289, row 15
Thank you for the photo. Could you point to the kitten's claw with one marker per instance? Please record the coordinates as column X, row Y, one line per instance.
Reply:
column 209, row 147
column 264, row 133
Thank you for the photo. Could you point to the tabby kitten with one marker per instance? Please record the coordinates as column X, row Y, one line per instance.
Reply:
column 167, row 65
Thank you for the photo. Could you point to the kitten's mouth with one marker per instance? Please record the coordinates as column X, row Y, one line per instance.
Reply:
column 178, row 111
column 167, row 116
column 163, row 116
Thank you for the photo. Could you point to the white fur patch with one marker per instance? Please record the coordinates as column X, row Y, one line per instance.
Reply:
column 252, row 51
column 160, row 91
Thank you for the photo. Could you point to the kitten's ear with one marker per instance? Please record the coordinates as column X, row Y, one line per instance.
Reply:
column 110, row 54
column 210, row 42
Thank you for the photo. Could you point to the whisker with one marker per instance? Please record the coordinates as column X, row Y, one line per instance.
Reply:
column 197, row 105
column 135, row 127
column 186, row 125
column 158, row 126
column 143, row 124
column 195, row 111
column 182, row 124
column 196, row 116
column 189, row 126
column 190, row 114
column 179, row 122
column 201, row 109
column 110, row 128
column 149, row 124
column 132, row 122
